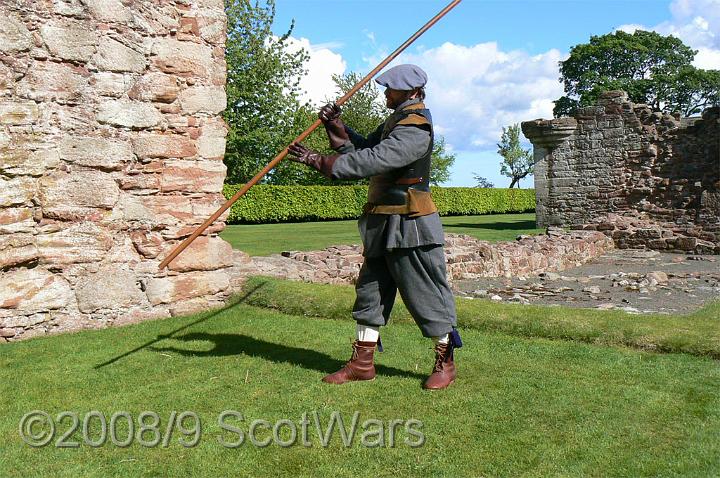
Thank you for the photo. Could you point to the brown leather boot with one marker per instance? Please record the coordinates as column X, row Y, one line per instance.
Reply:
column 443, row 373
column 360, row 366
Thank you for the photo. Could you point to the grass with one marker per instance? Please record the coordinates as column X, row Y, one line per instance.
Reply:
column 697, row 333
column 266, row 239
column 521, row 406
column 542, row 391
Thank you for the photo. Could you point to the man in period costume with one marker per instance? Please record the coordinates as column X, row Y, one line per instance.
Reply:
column 400, row 228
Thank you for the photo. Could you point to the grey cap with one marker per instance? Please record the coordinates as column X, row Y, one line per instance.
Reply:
column 403, row 77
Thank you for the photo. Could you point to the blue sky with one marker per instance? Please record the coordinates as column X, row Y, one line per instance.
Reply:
column 491, row 63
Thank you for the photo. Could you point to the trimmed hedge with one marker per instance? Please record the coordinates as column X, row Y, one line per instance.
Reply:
column 265, row 203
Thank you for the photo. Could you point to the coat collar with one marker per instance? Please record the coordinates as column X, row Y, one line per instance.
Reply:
column 410, row 104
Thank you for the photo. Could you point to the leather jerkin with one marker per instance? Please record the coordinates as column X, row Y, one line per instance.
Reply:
column 419, row 203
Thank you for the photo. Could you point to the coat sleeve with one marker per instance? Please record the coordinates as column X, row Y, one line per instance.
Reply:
column 403, row 145
column 358, row 141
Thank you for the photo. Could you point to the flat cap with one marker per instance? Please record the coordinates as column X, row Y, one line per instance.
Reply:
column 403, row 77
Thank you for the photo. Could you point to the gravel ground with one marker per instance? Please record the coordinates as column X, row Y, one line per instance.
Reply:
column 631, row 280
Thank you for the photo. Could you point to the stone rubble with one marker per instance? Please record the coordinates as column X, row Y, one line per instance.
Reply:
column 637, row 231
column 671, row 290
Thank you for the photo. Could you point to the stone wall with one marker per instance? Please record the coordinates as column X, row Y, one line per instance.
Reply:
column 466, row 258
column 111, row 149
column 622, row 158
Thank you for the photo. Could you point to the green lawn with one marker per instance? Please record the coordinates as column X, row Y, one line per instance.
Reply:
column 697, row 333
column 542, row 391
column 265, row 239
column 522, row 406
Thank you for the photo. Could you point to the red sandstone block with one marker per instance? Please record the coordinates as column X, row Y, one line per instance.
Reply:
column 144, row 182
column 158, row 145
column 112, row 287
column 148, row 243
column 164, row 290
column 17, row 191
column 112, row 55
column 77, row 195
column 15, row 215
column 182, row 58
column 96, row 152
column 30, row 291
column 16, row 249
column 48, row 81
column 18, row 112
column 204, row 254
column 170, row 210
column 80, row 243
column 193, row 176
column 189, row 25
column 69, row 40
column 130, row 114
column 155, row 86
column 203, row 99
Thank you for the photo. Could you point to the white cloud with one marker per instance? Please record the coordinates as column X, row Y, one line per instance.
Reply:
column 372, row 51
column 697, row 24
column 473, row 91
column 317, row 85
column 707, row 59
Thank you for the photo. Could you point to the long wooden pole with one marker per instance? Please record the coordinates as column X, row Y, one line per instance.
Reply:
column 181, row 247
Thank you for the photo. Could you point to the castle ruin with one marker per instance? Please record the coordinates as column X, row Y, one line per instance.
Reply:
column 646, row 179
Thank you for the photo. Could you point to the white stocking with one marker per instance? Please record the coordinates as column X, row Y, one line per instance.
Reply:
column 367, row 333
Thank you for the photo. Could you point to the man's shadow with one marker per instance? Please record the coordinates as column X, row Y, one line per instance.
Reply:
column 496, row 226
column 236, row 344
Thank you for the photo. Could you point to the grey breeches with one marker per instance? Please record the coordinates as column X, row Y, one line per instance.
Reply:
column 419, row 274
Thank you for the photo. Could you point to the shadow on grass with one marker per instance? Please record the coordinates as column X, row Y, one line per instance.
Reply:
column 495, row 226
column 160, row 337
column 236, row 344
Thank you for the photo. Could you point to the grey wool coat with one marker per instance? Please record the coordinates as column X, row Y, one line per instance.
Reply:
column 365, row 157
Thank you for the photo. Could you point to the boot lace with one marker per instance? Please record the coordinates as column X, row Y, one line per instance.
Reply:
column 354, row 353
column 441, row 353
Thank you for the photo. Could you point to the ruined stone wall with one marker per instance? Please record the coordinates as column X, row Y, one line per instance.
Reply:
column 622, row 158
column 466, row 258
column 111, row 149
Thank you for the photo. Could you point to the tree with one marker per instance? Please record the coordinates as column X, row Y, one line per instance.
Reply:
column 293, row 173
column 482, row 182
column 366, row 109
column 653, row 69
column 694, row 90
column 262, row 88
column 517, row 162
column 440, row 163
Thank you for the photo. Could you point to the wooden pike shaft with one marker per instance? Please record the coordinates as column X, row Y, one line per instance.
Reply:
column 281, row 155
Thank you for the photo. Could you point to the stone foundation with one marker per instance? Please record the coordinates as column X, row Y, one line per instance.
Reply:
column 637, row 231
column 111, row 149
column 466, row 256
